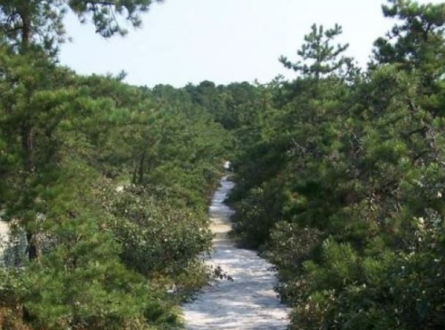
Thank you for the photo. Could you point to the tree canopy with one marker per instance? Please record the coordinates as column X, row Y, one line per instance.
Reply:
column 339, row 178
column 342, row 188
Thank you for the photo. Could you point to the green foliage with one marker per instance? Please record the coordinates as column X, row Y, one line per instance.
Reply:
column 156, row 238
column 419, row 38
column 104, row 13
column 110, row 185
column 321, row 58
column 344, row 194
column 81, row 283
column 26, row 24
column 290, row 246
column 339, row 178
column 105, row 184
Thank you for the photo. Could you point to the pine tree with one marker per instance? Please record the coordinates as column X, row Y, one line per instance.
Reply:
column 321, row 59
column 417, row 42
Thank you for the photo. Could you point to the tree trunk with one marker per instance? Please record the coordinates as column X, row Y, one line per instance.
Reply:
column 26, row 28
column 28, row 149
column 33, row 247
column 29, row 167
column 141, row 168
column 28, row 136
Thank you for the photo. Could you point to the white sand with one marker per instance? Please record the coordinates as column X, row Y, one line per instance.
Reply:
column 249, row 301
column 4, row 230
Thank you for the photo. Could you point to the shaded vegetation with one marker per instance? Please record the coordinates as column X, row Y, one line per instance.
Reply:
column 340, row 178
column 107, row 184
column 342, row 184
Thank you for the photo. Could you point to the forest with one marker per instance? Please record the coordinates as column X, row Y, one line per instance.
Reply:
column 340, row 178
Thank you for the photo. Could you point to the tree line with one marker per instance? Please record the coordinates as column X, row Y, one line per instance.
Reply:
column 340, row 177
column 105, row 185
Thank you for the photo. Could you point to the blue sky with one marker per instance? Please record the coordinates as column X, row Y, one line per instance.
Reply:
column 224, row 41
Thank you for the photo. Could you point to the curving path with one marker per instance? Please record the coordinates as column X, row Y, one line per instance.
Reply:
column 249, row 301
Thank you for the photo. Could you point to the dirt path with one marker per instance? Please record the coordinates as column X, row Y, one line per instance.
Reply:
column 246, row 303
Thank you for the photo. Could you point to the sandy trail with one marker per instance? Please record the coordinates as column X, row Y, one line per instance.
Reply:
column 4, row 230
column 246, row 303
